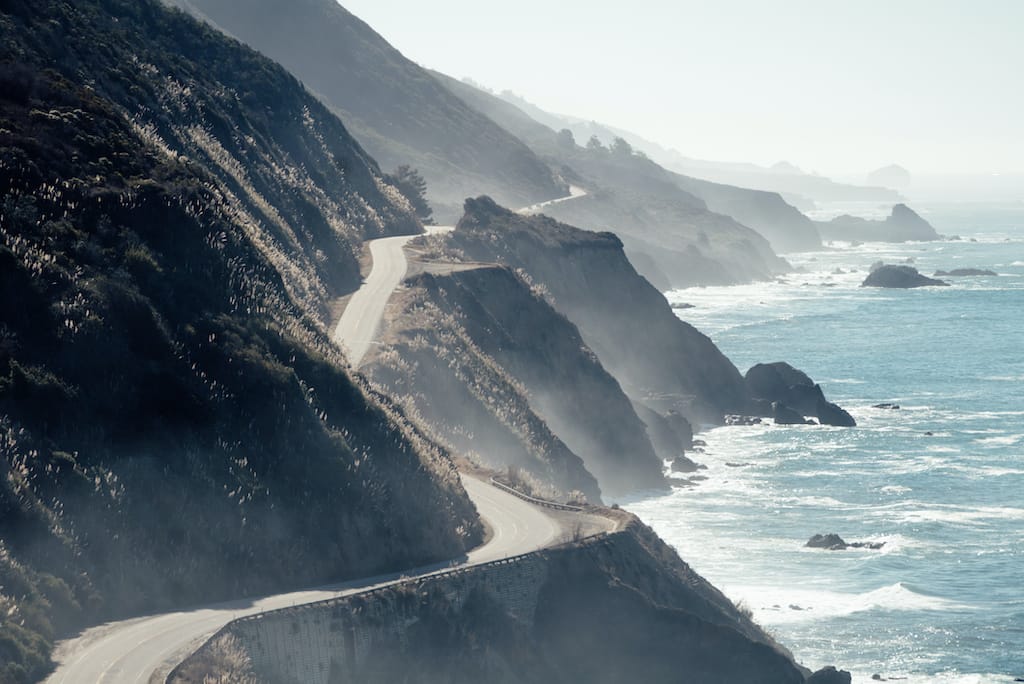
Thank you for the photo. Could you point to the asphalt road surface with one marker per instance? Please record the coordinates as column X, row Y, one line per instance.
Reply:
column 144, row 650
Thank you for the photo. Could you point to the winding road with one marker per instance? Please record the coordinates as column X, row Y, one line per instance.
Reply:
column 144, row 650
column 358, row 325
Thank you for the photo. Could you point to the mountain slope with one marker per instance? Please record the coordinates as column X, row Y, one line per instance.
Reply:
column 658, row 359
column 486, row 330
column 175, row 425
column 783, row 178
column 678, row 231
column 395, row 108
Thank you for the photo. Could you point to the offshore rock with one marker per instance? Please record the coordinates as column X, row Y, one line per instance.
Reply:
column 830, row 675
column 682, row 464
column 832, row 414
column 833, row 542
column 782, row 383
column 784, row 415
column 903, row 277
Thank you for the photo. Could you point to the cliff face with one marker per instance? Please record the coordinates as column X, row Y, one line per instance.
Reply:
column 432, row 365
column 396, row 109
column 782, row 224
column 673, row 234
column 658, row 359
column 503, row 323
column 902, row 225
column 615, row 609
column 175, row 425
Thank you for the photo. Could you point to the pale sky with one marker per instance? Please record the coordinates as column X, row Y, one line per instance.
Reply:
column 833, row 86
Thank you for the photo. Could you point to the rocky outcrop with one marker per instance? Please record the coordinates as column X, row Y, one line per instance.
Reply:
column 830, row 675
column 671, row 434
column 783, row 415
column 902, row 225
column 833, row 542
column 790, row 391
column 899, row 277
column 833, row 414
column 682, row 464
column 958, row 272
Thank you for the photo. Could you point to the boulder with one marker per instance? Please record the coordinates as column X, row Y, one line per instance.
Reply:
column 732, row 419
column 681, row 464
column 832, row 414
column 902, row 277
column 830, row 675
column 967, row 272
column 782, row 383
column 831, row 541
column 784, row 415
column 887, row 405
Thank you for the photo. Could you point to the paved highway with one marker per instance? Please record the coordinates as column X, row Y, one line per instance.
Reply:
column 357, row 328
column 144, row 650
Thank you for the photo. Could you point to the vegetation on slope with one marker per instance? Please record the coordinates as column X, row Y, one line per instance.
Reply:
column 398, row 110
column 557, row 376
column 435, row 366
column 175, row 425
column 658, row 359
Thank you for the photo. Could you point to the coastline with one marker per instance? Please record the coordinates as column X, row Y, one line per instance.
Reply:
column 933, row 480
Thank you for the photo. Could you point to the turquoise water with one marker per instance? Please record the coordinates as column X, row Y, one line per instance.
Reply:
column 943, row 600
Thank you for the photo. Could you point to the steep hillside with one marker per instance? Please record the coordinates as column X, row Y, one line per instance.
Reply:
column 430, row 363
column 175, row 425
column 489, row 319
column 782, row 224
column 617, row 609
column 678, row 231
column 658, row 359
column 396, row 109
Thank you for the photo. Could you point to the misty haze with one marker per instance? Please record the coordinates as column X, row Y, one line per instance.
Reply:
column 389, row 342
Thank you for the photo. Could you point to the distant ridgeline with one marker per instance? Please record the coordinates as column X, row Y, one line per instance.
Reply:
column 175, row 426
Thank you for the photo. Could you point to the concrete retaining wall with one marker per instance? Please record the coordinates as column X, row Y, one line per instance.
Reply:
column 328, row 641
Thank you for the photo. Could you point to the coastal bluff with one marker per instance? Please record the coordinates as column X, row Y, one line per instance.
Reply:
column 593, row 610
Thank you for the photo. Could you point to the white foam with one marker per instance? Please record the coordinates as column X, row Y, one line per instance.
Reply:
column 954, row 515
column 1002, row 440
column 787, row 605
column 937, row 678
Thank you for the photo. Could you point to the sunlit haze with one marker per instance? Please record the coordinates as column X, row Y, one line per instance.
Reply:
column 839, row 88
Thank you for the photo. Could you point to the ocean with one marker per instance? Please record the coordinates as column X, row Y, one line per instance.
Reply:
column 940, row 480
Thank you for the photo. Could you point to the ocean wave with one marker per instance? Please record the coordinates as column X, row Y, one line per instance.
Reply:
column 895, row 489
column 912, row 512
column 785, row 605
column 1002, row 440
column 937, row 678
